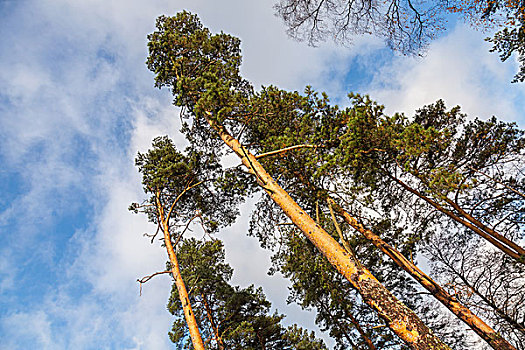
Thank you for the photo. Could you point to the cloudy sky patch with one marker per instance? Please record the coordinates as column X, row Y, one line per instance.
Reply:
column 76, row 105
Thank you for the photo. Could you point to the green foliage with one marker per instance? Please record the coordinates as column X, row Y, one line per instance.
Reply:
column 239, row 317
column 357, row 155
column 189, row 186
column 300, row 339
column 507, row 42
column 164, row 167
column 339, row 309
column 316, row 285
column 201, row 69
column 510, row 39
column 435, row 153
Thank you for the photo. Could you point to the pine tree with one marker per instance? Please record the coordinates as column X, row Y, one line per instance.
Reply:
column 230, row 317
column 347, row 154
column 183, row 189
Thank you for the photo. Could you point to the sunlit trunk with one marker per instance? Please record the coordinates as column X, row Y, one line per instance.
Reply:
column 461, row 311
column 195, row 334
column 400, row 319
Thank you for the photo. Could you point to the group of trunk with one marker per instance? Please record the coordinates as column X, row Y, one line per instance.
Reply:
column 205, row 82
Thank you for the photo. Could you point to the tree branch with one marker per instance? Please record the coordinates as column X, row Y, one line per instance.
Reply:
column 147, row 278
column 347, row 247
column 179, row 196
column 267, row 154
column 496, row 181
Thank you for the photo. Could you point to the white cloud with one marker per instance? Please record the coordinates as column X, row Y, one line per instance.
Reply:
column 39, row 324
column 458, row 69
column 80, row 104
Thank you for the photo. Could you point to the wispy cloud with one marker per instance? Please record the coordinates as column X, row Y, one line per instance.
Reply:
column 77, row 103
column 458, row 69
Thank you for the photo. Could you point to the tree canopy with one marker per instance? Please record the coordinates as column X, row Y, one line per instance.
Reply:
column 230, row 317
column 403, row 187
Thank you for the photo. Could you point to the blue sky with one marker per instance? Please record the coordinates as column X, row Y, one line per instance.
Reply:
column 77, row 103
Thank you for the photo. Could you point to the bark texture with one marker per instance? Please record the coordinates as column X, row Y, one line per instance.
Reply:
column 403, row 321
column 191, row 321
column 462, row 312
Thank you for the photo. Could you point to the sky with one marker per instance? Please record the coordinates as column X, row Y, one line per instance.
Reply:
column 76, row 105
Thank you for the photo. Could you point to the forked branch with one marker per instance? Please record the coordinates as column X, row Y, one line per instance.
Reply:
column 147, row 278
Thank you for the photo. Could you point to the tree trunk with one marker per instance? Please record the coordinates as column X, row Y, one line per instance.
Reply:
column 401, row 320
column 497, row 241
column 519, row 250
column 195, row 334
column 214, row 327
column 461, row 311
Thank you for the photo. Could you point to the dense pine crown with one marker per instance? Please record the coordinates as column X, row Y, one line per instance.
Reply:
column 201, row 69
column 194, row 181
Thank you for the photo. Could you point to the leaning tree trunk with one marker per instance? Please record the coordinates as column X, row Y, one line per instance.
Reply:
column 191, row 321
column 399, row 318
column 462, row 312
column 501, row 242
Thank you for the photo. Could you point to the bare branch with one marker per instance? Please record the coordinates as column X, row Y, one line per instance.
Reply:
column 267, row 154
column 153, row 236
column 147, row 278
column 496, row 181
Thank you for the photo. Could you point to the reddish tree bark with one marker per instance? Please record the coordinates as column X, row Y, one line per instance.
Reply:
column 191, row 321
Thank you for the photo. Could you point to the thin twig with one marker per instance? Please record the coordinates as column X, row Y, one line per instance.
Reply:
column 496, row 181
column 198, row 215
column 147, row 278
column 152, row 236
column 282, row 150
